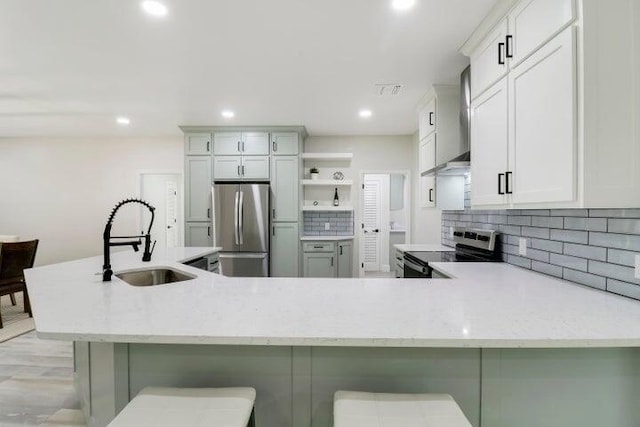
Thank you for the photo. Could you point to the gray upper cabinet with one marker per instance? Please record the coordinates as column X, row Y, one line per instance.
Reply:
column 284, row 249
column 227, row 167
column 238, row 168
column 198, row 188
column 255, row 168
column 197, row 144
column 345, row 259
column 284, row 143
column 284, row 188
column 241, row 143
column 255, row 143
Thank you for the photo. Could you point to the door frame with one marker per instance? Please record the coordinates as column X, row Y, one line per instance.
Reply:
column 180, row 175
column 359, row 243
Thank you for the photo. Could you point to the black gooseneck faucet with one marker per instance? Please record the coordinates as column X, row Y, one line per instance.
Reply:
column 106, row 237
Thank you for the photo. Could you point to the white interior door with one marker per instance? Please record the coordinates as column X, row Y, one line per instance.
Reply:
column 375, row 220
column 171, row 217
column 162, row 191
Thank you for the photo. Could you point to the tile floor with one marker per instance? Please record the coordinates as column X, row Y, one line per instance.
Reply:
column 36, row 383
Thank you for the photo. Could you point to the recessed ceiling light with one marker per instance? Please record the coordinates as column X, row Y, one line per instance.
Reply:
column 228, row 114
column 403, row 4
column 123, row 121
column 365, row 114
column 154, row 8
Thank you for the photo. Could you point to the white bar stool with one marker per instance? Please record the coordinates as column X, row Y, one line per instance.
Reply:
column 358, row 409
column 189, row 407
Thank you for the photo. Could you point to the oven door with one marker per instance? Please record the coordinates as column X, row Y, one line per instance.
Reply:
column 413, row 270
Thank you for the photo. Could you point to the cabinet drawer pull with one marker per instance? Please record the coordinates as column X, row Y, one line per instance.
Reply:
column 509, row 46
column 500, row 50
column 431, row 118
column 500, row 176
column 507, row 181
column 318, row 247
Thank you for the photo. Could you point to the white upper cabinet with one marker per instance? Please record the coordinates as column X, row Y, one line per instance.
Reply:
column 427, row 119
column 489, row 60
column 572, row 100
column 543, row 119
column 244, row 143
column 532, row 23
column 489, row 145
column 284, row 143
column 427, row 153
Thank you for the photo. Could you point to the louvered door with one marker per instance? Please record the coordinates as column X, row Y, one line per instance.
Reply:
column 171, row 220
column 371, row 220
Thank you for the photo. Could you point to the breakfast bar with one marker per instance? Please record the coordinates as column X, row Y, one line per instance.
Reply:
column 513, row 347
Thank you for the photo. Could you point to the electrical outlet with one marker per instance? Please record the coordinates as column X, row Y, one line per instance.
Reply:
column 327, row 226
column 522, row 247
column 637, row 273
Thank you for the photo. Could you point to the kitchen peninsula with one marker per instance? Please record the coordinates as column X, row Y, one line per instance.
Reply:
column 492, row 336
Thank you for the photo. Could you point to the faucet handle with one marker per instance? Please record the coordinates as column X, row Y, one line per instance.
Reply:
column 153, row 247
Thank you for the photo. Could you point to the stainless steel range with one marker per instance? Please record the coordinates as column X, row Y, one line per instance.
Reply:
column 472, row 245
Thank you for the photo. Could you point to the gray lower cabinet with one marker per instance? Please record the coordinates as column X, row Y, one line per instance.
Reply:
column 328, row 259
column 284, row 249
column 345, row 259
column 319, row 264
column 198, row 234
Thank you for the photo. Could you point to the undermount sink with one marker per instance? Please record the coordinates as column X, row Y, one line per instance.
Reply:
column 154, row 276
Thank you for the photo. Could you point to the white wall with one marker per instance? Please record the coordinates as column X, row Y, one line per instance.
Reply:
column 61, row 191
column 426, row 222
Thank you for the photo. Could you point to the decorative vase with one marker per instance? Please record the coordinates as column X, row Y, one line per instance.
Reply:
column 314, row 176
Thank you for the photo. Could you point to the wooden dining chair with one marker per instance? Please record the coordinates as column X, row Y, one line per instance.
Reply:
column 14, row 258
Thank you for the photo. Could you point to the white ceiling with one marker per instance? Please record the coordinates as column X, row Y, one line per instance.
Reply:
column 69, row 67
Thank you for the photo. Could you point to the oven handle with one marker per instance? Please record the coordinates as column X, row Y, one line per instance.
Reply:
column 414, row 266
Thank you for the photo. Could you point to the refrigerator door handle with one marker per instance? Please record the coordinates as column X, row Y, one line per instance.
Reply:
column 241, row 217
column 235, row 219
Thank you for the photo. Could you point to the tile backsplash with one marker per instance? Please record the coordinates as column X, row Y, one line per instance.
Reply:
column 340, row 223
column 593, row 247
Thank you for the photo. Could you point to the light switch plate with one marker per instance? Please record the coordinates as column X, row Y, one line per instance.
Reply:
column 522, row 248
column 637, row 273
column 327, row 226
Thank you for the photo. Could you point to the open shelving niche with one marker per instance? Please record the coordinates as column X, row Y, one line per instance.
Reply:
column 322, row 189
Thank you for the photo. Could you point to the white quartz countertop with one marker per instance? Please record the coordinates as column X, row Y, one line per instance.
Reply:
column 423, row 248
column 325, row 238
column 484, row 305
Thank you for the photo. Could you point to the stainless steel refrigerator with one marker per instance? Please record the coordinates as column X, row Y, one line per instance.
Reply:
column 241, row 228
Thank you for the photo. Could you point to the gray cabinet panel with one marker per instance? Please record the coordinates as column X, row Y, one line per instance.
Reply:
column 198, row 234
column 197, row 144
column 345, row 259
column 227, row 143
column 227, row 167
column 198, row 188
column 319, row 264
column 255, row 168
column 255, row 143
column 284, row 143
column 284, row 188
column 284, row 249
